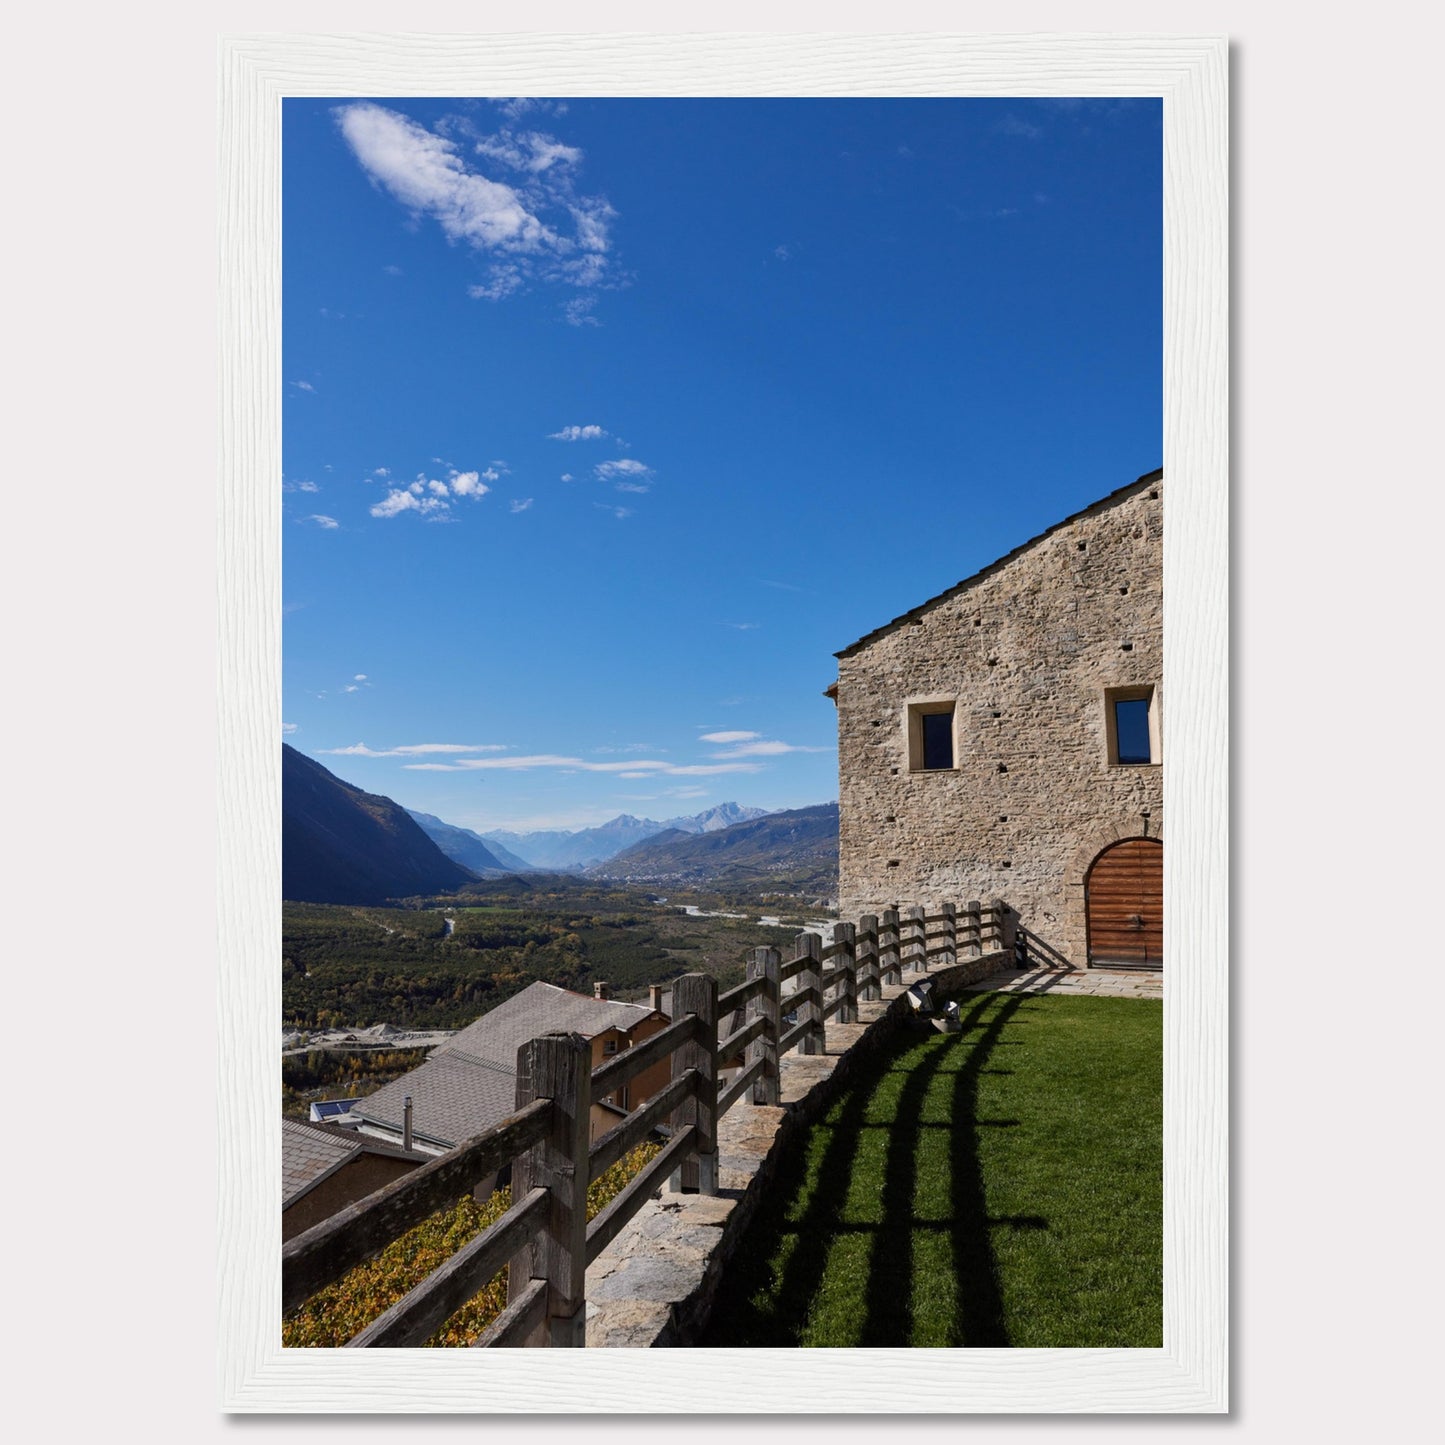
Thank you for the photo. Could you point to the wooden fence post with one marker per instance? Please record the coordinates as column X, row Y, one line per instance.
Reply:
column 868, row 957
column 810, row 946
column 916, row 947
column 950, row 933
column 764, row 963
column 557, row 1066
column 888, row 954
column 972, row 930
column 992, row 926
column 845, row 935
column 696, row 993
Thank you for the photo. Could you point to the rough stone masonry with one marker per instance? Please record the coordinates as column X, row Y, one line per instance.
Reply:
column 1028, row 658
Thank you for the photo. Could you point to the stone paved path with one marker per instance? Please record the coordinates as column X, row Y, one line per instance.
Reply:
column 1104, row 982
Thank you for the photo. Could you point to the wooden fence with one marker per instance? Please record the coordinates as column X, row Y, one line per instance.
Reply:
column 545, row 1236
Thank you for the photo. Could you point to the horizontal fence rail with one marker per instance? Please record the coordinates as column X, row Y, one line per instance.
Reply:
column 544, row 1240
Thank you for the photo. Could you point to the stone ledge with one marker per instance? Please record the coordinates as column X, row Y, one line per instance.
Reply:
column 654, row 1285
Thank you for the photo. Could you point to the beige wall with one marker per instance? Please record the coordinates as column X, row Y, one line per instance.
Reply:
column 1028, row 653
column 645, row 1085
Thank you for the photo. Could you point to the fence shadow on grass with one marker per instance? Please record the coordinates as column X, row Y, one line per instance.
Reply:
column 768, row 1294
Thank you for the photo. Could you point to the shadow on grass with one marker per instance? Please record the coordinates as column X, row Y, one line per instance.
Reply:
column 768, row 1295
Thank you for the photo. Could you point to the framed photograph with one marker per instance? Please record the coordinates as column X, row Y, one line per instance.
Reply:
column 615, row 382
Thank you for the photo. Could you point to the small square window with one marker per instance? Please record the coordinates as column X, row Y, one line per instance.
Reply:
column 609, row 1046
column 1132, row 718
column 930, row 736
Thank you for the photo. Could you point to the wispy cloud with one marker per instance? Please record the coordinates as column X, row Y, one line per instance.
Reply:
column 288, row 728
column 577, row 434
column 622, row 467
column 568, row 477
column 393, row 270
column 633, row 768
column 327, row 524
column 621, row 513
column 303, row 386
column 783, row 253
column 765, row 748
column 578, row 311
column 1016, row 125
column 633, row 487
column 729, row 737
column 307, row 487
column 533, row 226
column 743, row 626
column 411, row 750
column 520, row 504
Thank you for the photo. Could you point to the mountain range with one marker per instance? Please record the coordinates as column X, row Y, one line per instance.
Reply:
column 572, row 851
column 797, row 848
column 469, row 849
column 342, row 845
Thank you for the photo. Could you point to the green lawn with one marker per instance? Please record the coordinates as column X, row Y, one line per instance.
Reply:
column 1001, row 1186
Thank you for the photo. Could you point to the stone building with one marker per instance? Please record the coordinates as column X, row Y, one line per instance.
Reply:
column 1005, row 739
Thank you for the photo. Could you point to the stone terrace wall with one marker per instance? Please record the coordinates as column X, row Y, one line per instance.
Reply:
column 1026, row 650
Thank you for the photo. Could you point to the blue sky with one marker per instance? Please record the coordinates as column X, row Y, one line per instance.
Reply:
column 607, row 422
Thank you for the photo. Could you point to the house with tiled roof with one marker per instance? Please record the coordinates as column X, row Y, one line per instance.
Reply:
column 469, row 1083
column 323, row 1169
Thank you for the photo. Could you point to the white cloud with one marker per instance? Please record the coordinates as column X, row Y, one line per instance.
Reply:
column 567, row 476
column 303, row 386
column 502, row 282
column 432, row 496
column 577, row 434
column 327, row 524
column 633, row 487
column 745, row 626
column 622, row 467
column 633, row 768
column 520, row 504
column 360, row 750
column 765, row 749
column 730, row 737
column 351, row 687
column 423, row 171
column 531, row 151
column 381, row 472
column 621, row 513
column 396, row 502
column 307, row 487
column 532, row 226
column 393, row 270
column 288, row 728
column 783, row 253
column 360, row 677
column 470, row 484
column 578, row 311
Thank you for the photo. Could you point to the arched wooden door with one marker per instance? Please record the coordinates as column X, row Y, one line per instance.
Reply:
column 1124, row 895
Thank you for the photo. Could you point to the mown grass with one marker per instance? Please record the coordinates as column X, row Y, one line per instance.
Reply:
column 1001, row 1186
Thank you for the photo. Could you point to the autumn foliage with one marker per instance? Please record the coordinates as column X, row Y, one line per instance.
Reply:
column 343, row 1309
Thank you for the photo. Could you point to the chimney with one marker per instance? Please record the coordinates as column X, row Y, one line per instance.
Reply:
column 654, row 997
column 406, row 1122
column 599, row 990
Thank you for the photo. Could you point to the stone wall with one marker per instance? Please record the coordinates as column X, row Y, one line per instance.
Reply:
column 1027, row 652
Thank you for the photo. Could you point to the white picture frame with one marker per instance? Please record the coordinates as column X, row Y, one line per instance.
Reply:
column 1189, row 1374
